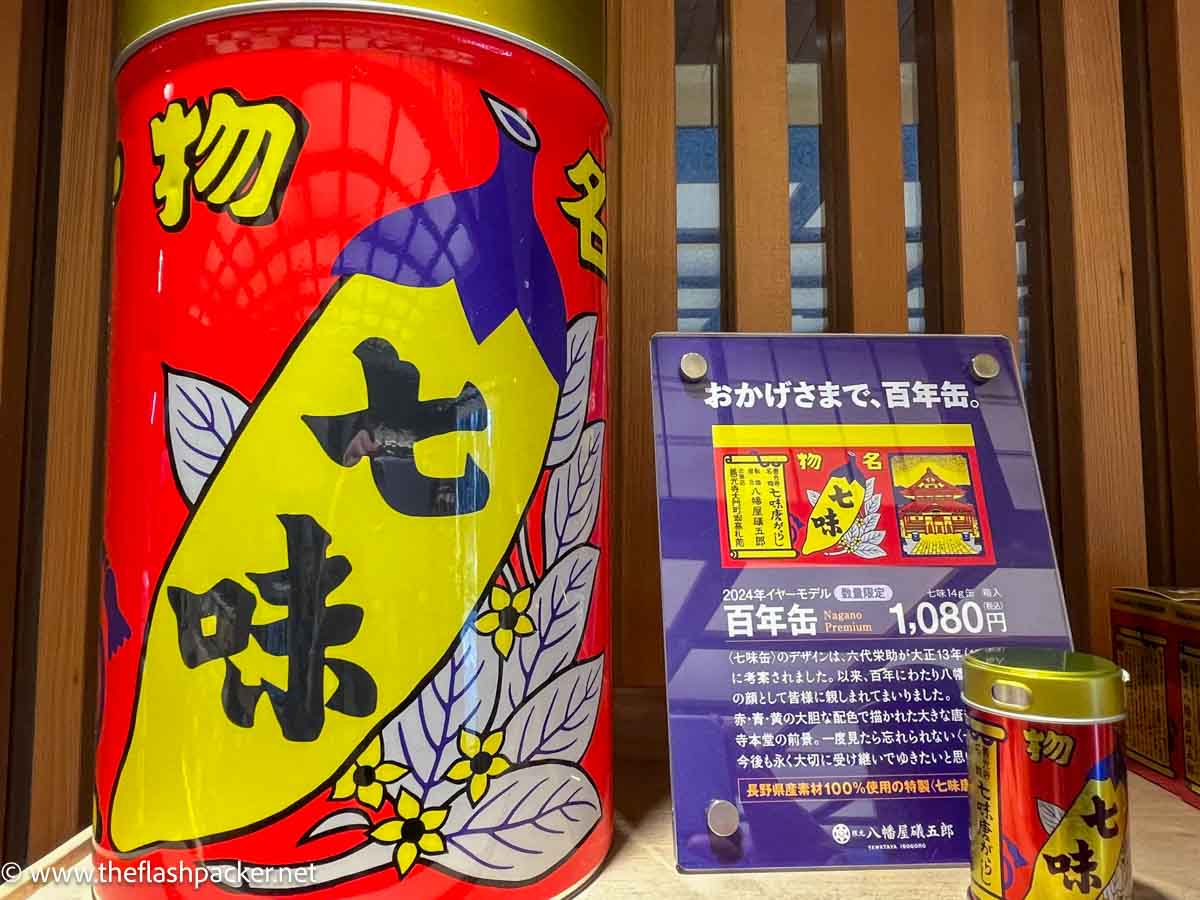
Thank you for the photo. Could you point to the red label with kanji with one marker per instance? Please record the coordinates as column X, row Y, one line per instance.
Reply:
column 1049, row 809
column 839, row 495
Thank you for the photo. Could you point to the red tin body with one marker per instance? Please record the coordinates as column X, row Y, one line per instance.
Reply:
column 1049, row 815
column 356, row 601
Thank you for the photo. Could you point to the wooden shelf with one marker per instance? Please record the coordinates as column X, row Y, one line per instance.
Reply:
column 642, row 862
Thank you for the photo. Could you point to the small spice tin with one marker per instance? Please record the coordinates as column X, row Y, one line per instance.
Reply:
column 1048, row 786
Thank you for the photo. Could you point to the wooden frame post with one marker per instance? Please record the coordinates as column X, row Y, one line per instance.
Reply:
column 978, row 285
column 1041, row 397
column 70, row 565
column 22, row 41
column 1144, row 213
column 644, row 301
column 1172, row 29
column 757, row 249
column 1104, row 531
column 862, row 167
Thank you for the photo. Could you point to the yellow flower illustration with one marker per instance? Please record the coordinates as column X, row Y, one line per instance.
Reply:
column 367, row 776
column 505, row 619
column 414, row 831
column 481, row 762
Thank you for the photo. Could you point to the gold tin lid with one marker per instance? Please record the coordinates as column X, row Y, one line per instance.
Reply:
column 571, row 32
column 1043, row 684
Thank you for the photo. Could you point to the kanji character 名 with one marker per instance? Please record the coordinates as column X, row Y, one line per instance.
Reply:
column 1082, row 864
column 235, row 155
column 394, row 421
column 1099, row 816
column 216, row 625
column 589, row 179
column 828, row 523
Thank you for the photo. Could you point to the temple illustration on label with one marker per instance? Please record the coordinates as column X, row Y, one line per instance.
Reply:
column 936, row 515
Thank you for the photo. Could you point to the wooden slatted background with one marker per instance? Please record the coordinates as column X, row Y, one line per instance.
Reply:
column 758, row 267
column 64, row 690
column 1100, row 461
column 978, row 275
column 863, row 167
column 1080, row 344
column 1171, row 315
column 22, row 25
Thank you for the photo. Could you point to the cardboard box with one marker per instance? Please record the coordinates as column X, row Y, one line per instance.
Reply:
column 1186, row 614
column 1156, row 639
column 1143, row 647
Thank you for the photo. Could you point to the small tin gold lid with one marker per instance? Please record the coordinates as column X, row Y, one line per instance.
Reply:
column 1044, row 684
column 570, row 31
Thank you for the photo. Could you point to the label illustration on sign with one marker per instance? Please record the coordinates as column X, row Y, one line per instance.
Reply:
column 381, row 438
column 831, row 495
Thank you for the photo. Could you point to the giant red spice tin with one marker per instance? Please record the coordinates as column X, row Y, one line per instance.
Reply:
column 356, row 612
column 1047, row 782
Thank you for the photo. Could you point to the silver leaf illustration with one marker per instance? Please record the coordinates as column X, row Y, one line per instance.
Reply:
column 813, row 497
column 344, row 820
column 530, row 820
column 869, row 551
column 875, row 537
column 462, row 693
column 1120, row 885
column 559, row 610
column 202, row 417
column 1049, row 815
column 573, row 496
column 573, row 403
column 558, row 720
column 869, row 488
column 873, row 504
column 870, row 521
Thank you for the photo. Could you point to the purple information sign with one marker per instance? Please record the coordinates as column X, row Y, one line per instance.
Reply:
column 841, row 519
